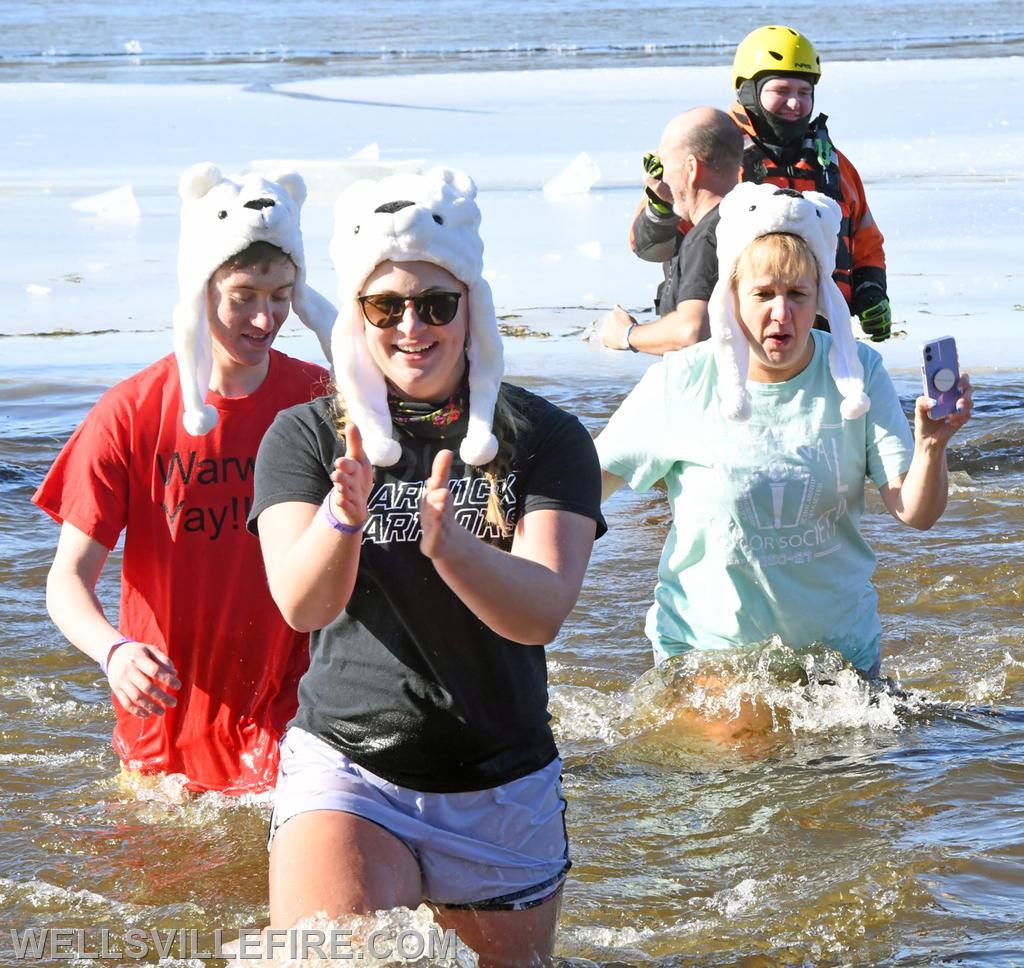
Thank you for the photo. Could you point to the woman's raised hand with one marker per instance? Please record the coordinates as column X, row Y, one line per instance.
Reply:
column 352, row 477
column 941, row 430
column 440, row 529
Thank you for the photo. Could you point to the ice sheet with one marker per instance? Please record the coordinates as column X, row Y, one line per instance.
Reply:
column 938, row 143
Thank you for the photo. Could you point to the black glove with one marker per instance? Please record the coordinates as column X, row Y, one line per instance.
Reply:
column 871, row 305
column 876, row 321
column 654, row 168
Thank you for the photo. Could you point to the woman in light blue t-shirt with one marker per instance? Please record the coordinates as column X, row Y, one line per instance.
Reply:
column 765, row 436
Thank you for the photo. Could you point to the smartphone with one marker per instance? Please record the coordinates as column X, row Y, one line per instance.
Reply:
column 940, row 372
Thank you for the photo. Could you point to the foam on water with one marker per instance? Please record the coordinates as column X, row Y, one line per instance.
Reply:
column 624, row 943
column 980, row 673
column 154, row 793
column 733, row 900
column 585, row 714
column 50, row 759
column 43, row 896
column 49, row 700
column 770, row 690
column 795, row 694
column 381, row 938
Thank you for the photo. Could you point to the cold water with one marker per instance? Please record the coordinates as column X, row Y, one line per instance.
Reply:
column 121, row 40
column 865, row 827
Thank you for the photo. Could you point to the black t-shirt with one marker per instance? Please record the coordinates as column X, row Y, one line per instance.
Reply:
column 693, row 271
column 407, row 682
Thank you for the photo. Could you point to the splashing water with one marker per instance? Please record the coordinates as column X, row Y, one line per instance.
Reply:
column 152, row 794
column 774, row 689
column 770, row 689
column 397, row 936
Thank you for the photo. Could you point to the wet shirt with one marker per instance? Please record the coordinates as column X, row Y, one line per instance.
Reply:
column 192, row 580
column 693, row 272
column 406, row 681
column 765, row 513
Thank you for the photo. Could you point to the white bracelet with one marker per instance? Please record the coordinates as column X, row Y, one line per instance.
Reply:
column 105, row 661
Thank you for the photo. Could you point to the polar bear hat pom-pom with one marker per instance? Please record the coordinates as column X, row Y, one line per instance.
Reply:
column 220, row 217
column 433, row 218
column 748, row 212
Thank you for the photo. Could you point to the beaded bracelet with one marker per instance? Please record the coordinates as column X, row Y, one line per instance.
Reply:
column 341, row 526
column 114, row 646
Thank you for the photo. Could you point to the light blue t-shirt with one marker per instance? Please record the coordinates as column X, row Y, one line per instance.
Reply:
column 765, row 513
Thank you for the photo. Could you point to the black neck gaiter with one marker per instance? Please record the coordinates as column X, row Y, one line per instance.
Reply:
column 783, row 140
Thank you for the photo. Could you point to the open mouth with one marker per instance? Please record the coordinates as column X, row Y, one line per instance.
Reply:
column 415, row 349
column 258, row 339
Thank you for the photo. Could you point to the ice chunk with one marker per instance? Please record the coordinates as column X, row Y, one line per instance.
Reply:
column 119, row 203
column 326, row 178
column 370, row 153
column 576, row 179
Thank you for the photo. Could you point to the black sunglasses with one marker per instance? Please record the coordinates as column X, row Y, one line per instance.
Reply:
column 385, row 310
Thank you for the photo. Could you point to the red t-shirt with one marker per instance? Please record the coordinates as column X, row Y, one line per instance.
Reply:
column 192, row 580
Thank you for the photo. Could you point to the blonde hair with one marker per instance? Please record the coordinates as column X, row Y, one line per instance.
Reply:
column 508, row 424
column 779, row 255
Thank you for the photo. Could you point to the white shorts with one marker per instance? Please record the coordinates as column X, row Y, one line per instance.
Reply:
column 502, row 849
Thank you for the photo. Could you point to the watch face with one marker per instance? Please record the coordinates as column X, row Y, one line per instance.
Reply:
column 944, row 379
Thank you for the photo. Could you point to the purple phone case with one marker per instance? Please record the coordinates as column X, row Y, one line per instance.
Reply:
column 940, row 371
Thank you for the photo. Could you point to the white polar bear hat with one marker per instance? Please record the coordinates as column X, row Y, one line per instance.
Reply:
column 748, row 212
column 219, row 218
column 433, row 218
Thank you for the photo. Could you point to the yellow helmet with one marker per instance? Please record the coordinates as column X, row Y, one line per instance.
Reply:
column 775, row 48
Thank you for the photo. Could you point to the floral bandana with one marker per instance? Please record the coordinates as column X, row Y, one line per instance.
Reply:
column 423, row 414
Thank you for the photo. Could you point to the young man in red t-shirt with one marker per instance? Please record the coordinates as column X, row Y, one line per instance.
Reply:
column 203, row 670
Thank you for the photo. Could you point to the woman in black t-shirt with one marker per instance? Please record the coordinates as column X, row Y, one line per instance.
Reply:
column 431, row 527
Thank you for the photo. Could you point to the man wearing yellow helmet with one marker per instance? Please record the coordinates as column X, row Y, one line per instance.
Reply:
column 775, row 71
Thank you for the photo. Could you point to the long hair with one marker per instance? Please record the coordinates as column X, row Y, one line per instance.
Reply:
column 508, row 424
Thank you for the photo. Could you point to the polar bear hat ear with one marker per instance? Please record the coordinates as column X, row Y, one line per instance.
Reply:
column 748, row 212
column 221, row 217
column 433, row 218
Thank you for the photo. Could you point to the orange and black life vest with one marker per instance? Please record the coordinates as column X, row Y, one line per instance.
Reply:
column 822, row 168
